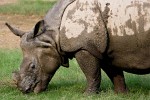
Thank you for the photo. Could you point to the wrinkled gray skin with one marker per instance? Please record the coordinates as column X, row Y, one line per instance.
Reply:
column 46, row 48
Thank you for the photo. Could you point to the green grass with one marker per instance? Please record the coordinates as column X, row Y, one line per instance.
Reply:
column 9, row 60
column 27, row 7
column 68, row 83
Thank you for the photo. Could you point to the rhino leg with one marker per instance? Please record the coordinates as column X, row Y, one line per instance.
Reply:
column 90, row 66
column 117, row 77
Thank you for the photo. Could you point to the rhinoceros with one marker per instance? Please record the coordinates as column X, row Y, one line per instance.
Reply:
column 112, row 35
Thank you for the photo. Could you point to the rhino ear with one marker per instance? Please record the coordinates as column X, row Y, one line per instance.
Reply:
column 39, row 28
column 15, row 30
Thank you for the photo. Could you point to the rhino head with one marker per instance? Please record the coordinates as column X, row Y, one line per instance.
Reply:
column 41, row 58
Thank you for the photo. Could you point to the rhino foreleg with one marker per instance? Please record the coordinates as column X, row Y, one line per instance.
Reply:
column 90, row 66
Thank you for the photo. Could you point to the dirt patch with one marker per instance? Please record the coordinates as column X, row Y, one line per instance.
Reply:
column 7, row 38
column 3, row 2
column 26, row 23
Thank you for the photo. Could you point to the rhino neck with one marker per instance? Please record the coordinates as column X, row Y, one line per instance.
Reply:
column 53, row 19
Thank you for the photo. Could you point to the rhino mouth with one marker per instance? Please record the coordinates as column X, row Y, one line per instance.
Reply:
column 28, row 84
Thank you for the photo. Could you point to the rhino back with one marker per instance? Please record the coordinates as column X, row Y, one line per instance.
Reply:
column 128, row 22
column 127, row 17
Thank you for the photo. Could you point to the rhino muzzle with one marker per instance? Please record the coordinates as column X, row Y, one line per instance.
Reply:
column 27, row 83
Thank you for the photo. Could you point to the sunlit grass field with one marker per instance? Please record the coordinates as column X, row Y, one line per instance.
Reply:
column 68, row 83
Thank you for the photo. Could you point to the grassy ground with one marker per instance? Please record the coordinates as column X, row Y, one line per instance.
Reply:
column 67, row 84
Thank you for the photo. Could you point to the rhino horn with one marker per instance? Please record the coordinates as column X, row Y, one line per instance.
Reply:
column 15, row 30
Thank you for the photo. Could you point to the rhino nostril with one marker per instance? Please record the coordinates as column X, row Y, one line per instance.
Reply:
column 25, row 90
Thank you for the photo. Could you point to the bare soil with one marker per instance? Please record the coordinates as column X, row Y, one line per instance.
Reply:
column 2, row 2
column 25, row 23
